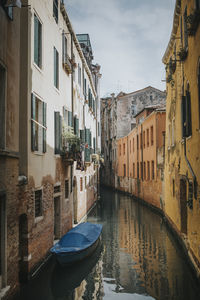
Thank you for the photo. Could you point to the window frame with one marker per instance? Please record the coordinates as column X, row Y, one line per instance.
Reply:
column 56, row 67
column 37, row 57
column 55, row 10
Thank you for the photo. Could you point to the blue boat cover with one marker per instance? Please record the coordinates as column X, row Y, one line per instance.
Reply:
column 78, row 238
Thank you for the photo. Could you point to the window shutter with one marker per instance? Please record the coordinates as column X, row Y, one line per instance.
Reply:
column 70, row 118
column 57, row 131
column 77, row 126
column 63, row 47
column 82, row 136
column 44, row 142
column 183, row 116
column 60, row 133
column 36, row 39
column 33, row 147
column 188, row 114
column 94, row 144
column 87, row 140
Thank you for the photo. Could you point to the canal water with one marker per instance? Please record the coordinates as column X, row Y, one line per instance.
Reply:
column 137, row 259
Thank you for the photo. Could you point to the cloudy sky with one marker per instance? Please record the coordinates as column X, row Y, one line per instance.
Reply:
column 128, row 37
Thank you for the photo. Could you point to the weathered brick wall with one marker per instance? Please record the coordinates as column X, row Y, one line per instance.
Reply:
column 8, row 183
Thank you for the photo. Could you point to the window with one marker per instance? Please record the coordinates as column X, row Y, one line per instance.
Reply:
column 38, row 203
column 144, row 139
column 141, row 140
column 37, row 42
column 56, row 68
column 141, row 170
column 124, row 149
column 2, row 107
column 151, row 135
column 197, row 4
column 137, row 169
column 147, row 137
column 144, row 170
column 133, row 170
column 58, row 132
column 185, row 29
column 130, row 146
column 137, row 142
column 152, row 170
column 98, row 129
column 173, row 188
column 148, row 170
column 81, row 184
column 169, row 135
column 64, row 48
column 79, row 75
column 120, row 150
column 133, row 146
column 55, row 10
column 124, row 170
column 66, row 188
column 186, row 114
column 57, row 189
column 85, row 181
column 38, row 124
column 173, row 132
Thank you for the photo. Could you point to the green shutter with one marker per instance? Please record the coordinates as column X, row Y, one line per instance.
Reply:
column 33, row 142
column 77, row 126
column 70, row 119
column 60, row 133
column 57, row 131
column 87, row 141
column 44, row 142
column 82, row 136
column 36, row 39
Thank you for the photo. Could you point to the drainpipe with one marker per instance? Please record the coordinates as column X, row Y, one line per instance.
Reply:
column 72, row 80
column 127, row 158
column 190, row 168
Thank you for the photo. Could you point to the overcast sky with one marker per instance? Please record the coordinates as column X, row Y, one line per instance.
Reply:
column 128, row 38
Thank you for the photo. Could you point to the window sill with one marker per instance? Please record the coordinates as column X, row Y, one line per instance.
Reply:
column 38, row 68
column 56, row 89
column 38, row 153
column 39, row 219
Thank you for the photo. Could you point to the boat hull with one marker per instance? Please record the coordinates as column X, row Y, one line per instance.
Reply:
column 77, row 244
column 66, row 259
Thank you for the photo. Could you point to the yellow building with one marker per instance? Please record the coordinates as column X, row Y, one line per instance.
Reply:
column 182, row 150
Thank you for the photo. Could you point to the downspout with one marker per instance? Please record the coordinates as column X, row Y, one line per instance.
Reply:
column 190, row 168
column 127, row 158
column 72, row 80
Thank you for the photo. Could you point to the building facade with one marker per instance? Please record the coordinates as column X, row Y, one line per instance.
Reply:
column 118, row 119
column 52, row 125
column 182, row 161
column 9, row 145
column 140, row 157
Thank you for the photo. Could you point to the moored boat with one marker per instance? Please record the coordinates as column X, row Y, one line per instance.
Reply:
column 77, row 244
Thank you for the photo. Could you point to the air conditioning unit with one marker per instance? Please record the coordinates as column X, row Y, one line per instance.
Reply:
column 13, row 3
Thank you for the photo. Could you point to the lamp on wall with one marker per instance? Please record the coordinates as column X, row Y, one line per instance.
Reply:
column 13, row 3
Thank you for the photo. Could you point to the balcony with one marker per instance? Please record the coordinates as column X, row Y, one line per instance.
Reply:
column 71, row 150
column 67, row 64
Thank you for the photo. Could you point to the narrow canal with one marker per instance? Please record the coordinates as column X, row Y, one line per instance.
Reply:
column 138, row 259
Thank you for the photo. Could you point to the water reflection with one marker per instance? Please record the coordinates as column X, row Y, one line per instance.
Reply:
column 138, row 259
